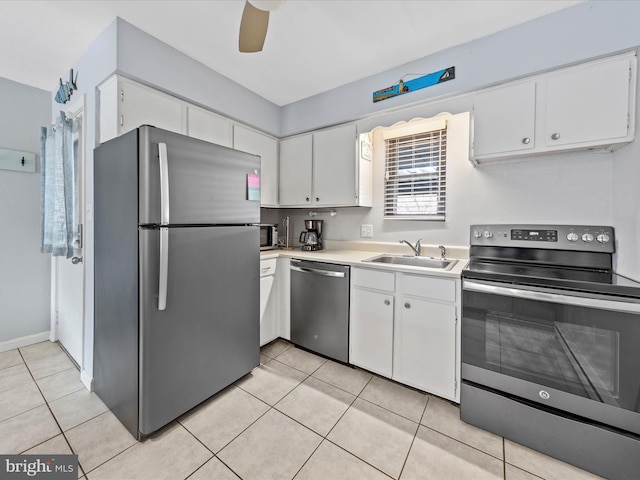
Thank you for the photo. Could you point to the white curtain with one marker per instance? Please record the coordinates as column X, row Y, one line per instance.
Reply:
column 58, row 187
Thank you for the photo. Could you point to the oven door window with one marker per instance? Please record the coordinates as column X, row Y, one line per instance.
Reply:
column 582, row 350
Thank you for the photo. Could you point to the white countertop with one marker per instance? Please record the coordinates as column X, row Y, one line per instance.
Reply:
column 353, row 253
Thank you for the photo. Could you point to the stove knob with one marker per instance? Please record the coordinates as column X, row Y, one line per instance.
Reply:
column 587, row 237
column 603, row 237
column 488, row 234
column 572, row 236
column 477, row 233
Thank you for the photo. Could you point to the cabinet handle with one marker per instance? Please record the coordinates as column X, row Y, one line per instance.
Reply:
column 555, row 136
column 317, row 199
column 265, row 269
column 307, row 199
column 526, row 140
column 407, row 305
column 387, row 302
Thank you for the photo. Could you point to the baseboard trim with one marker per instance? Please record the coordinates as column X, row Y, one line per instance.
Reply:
column 87, row 380
column 24, row 341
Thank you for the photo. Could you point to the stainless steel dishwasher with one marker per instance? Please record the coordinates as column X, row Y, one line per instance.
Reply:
column 320, row 308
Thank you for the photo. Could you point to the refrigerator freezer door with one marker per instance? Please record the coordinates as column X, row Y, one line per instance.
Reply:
column 209, row 333
column 207, row 183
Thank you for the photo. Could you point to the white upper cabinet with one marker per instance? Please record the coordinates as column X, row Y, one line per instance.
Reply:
column 208, row 126
column 334, row 166
column 126, row 105
column 587, row 106
column 296, row 160
column 266, row 147
column 504, row 119
column 323, row 169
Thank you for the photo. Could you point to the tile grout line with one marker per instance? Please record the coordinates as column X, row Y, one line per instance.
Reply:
column 504, row 460
column 46, row 402
column 325, row 437
column 415, row 435
column 343, row 414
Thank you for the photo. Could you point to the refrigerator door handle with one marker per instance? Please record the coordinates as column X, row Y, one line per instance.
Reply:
column 164, row 184
column 163, row 277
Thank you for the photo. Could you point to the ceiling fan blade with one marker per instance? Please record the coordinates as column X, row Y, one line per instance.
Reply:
column 253, row 28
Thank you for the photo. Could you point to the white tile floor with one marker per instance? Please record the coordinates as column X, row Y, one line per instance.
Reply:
column 296, row 416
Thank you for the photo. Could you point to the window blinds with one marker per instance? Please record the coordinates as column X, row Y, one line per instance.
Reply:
column 415, row 176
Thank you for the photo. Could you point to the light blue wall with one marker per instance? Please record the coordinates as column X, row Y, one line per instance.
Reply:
column 588, row 30
column 564, row 188
column 146, row 59
column 24, row 271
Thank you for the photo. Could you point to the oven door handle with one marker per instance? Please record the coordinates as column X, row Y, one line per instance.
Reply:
column 524, row 293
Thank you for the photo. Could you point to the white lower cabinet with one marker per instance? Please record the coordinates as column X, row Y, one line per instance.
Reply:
column 404, row 327
column 424, row 346
column 268, row 301
column 371, row 330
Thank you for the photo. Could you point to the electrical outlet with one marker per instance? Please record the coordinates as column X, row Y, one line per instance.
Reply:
column 366, row 230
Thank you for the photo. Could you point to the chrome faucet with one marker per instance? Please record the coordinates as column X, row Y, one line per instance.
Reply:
column 416, row 249
column 443, row 252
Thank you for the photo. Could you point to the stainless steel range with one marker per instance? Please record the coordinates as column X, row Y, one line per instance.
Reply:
column 551, row 344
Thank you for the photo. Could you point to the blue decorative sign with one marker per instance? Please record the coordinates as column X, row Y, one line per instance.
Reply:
column 425, row 81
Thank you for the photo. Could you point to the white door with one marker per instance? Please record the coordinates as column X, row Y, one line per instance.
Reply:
column 68, row 274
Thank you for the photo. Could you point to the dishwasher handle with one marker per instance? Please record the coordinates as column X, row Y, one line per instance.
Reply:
column 315, row 271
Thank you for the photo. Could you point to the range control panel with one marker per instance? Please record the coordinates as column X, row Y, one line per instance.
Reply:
column 586, row 238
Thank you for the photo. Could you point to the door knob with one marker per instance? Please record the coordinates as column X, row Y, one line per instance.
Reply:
column 76, row 260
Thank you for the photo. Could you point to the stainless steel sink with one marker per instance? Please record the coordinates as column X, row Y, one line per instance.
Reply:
column 414, row 261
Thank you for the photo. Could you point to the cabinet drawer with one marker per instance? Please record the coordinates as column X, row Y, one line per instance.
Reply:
column 268, row 267
column 429, row 287
column 373, row 279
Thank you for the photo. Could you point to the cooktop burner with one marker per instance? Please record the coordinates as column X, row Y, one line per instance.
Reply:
column 576, row 258
column 553, row 277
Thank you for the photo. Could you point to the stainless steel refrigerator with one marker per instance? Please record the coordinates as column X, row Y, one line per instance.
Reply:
column 176, row 273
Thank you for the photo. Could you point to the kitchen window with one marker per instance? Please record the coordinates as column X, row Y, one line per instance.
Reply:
column 416, row 170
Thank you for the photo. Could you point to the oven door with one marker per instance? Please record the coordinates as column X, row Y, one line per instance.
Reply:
column 575, row 353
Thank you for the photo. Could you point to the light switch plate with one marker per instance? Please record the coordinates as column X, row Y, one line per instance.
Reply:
column 366, row 230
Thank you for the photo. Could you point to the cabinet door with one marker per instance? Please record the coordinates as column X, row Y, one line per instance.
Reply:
column 140, row 105
column 268, row 305
column 504, row 119
column 425, row 346
column 208, row 126
column 295, row 171
column 257, row 143
column 334, row 166
column 371, row 331
column 588, row 104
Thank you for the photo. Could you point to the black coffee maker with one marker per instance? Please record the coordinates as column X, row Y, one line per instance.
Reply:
column 311, row 238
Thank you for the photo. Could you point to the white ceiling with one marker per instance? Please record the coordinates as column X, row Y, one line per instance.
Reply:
column 312, row 45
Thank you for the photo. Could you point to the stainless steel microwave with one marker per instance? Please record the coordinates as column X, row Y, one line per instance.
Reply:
column 268, row 236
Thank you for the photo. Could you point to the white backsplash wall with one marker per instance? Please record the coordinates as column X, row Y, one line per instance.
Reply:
column 570, row 190
column 626, row 204
column 557, row 189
